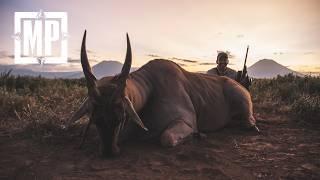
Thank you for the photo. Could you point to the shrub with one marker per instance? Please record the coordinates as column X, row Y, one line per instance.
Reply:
column 299, row 94
column 307, row 109
column 39, row 106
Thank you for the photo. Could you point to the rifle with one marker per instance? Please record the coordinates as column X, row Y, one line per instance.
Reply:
column 244, row 70
column 242, row 76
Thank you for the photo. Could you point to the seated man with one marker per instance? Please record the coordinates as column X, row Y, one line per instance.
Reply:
column 222, row 69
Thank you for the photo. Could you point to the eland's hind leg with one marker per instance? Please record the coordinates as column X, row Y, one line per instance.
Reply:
column 246, row 115
column 241, row 105
column 251, row 124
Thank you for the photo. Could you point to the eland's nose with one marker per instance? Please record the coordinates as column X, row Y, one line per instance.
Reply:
column 110, row 152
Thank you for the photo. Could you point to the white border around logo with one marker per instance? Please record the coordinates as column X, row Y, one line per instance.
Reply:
column 62, row 59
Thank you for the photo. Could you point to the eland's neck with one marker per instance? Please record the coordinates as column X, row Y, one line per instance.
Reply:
column 139, row 88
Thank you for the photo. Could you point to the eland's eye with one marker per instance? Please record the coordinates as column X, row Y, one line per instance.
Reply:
column 118, row 106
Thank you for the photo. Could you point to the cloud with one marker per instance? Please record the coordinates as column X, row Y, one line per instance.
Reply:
column 77, row 61
column 153, row 55
column 210, row 63
column 308, row 53
column 94, row 60
column 293, row 53
column 6, row 58
column 5, row 54
column 230, row 55
column 92, row 55
column 182, row 64
column 240, row 36
column 71, row 60
column 278, row 53
column 207, row 63
column 183, row 60
column 88, row 51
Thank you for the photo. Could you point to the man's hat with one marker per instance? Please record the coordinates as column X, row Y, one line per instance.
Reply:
column 222, row 57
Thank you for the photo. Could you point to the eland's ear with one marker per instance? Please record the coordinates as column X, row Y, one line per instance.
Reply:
column 84, row 109
column 91, row 79
column 127, row 63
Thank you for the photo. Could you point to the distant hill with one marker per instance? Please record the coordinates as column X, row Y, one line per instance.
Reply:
column 31, row 70
column 103, row 68
column 267, row 68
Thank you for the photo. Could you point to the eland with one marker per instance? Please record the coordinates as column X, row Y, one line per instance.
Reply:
column 160, row 101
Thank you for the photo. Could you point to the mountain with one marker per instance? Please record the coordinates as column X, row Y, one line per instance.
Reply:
column 265, row 68
column 104, row 68
column 34, row 70
column 268, row 68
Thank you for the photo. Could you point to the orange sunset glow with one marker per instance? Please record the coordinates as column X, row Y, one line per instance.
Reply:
column 287, row 31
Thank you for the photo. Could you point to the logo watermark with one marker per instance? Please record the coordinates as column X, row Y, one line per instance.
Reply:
column 40, row 37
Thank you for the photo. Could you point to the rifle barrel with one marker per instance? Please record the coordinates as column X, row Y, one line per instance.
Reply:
column 244, row 70
column 245, row 60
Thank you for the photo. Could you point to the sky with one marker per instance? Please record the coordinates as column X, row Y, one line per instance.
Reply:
column 185, row 31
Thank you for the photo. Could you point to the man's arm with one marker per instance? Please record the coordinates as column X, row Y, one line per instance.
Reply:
column 212, row 71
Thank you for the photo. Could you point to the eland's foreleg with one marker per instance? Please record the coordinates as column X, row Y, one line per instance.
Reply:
column 175, row 133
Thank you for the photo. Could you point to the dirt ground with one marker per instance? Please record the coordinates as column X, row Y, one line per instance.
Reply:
column 284, row 150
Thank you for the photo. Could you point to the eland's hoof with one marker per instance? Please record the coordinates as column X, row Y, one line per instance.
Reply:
column 199, row 135
column 254, row 128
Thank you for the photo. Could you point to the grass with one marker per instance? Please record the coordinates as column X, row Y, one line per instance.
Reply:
column 37, row 105
column 42, row 106
column 297, row 96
